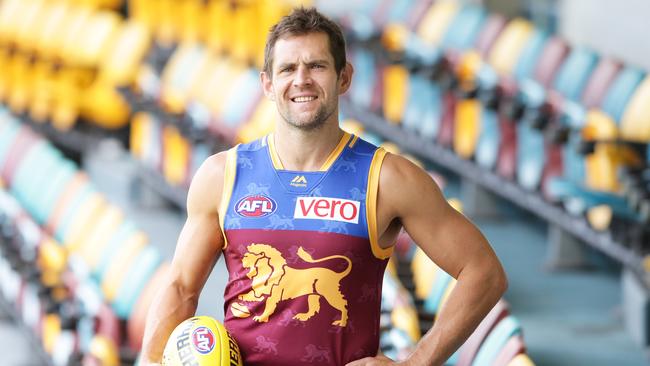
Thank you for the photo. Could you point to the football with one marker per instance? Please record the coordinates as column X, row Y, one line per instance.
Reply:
column 201, row 340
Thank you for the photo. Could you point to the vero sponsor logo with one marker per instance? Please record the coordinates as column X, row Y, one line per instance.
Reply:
column 325, row 208
column 255, row 206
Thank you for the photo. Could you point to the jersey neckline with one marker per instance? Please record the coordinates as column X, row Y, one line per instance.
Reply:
column 331, row 158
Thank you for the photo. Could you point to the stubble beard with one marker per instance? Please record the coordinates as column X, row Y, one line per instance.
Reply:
column 317, row 122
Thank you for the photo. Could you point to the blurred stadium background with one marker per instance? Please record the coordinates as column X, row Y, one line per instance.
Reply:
column 532, row 115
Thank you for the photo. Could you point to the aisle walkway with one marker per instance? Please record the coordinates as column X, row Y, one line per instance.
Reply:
column 569, row 317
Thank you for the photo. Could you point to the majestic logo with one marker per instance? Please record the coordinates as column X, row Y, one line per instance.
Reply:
column 203, row 340
column 255, row 206
column 325, row 208
column 274, row 281
column 299, row 181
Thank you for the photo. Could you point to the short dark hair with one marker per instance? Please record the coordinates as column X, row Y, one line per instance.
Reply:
column 303, row 21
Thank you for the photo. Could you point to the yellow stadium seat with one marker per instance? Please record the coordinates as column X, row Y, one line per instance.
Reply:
column 600, row 217
column 29, row 15
column 232, row 73
column 425, row 272
column 144, row 11
column 54, row 22
column 192, row 18
column 436, row 20
column 8, row 19
column 51, row 329
column 83, row 217
column 121, row 262
column 405, row 317
column 52, row 258
column 140, row 130
column 510, row 42
column 601, row 166
column 104, row 105
column 394, row 37
column 99, row 237
column 104, row 350
column 18, row 69
column 66, row 99
column 261, row 123
column 166, row 21
column 218, row 25
column 184, row 69
column 634, row 123
column 176, row 155
column 214, row 69
column 98, row 33
column 467, row 127
column 242, row 43
column 66, row 45
column 28, row 36
column 395, row 88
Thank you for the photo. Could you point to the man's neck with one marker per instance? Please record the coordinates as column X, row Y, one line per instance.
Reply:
column 306, row 150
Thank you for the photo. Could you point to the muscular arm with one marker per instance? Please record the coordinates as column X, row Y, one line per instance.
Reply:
column 198, row 248
column 408, row 195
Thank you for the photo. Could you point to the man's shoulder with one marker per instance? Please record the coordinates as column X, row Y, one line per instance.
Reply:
column 400, row 172
column 252, row 146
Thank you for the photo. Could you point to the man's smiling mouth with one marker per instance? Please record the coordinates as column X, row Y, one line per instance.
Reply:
column 303, row 99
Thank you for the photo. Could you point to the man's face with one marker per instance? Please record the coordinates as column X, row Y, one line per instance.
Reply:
column 304, row 83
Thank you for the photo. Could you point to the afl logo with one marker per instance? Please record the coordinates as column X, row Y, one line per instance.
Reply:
column 203, row 340
column 255, row 206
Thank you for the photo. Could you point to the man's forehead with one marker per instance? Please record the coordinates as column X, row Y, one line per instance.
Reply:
column 306, row 47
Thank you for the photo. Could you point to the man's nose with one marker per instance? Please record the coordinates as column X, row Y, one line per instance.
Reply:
column 303, row 76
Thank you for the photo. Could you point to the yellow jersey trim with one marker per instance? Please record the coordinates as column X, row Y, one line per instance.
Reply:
column 275, row 158
column 336, row 152
column 371, row 205
column 277, row 163
column 354, row 141
column 229, row 173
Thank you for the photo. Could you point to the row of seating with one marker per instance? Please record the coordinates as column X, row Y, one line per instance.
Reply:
column 110, row 270
column 237, row 28
column 511, row 97
column 63, row 60
column 62, row 309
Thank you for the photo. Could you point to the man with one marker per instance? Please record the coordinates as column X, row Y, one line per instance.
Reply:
column 306, row 218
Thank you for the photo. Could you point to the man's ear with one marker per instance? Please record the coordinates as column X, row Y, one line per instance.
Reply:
column 345, row 79
column 267, row 85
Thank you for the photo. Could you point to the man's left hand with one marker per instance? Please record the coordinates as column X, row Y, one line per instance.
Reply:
column 373, row 361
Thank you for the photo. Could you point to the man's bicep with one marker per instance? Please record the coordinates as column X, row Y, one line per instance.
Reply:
column 448, row 238
column 201, row 239
column 199, row 247
column 444, row 234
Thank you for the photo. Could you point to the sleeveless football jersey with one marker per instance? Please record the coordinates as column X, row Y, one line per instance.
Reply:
column 301, row 249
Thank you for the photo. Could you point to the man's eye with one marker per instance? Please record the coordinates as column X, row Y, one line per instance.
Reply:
column 317, row 66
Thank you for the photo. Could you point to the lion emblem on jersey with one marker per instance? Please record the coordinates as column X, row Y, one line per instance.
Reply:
column 274, row 281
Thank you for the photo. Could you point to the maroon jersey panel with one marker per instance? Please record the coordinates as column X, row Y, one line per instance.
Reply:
column 299, row 297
